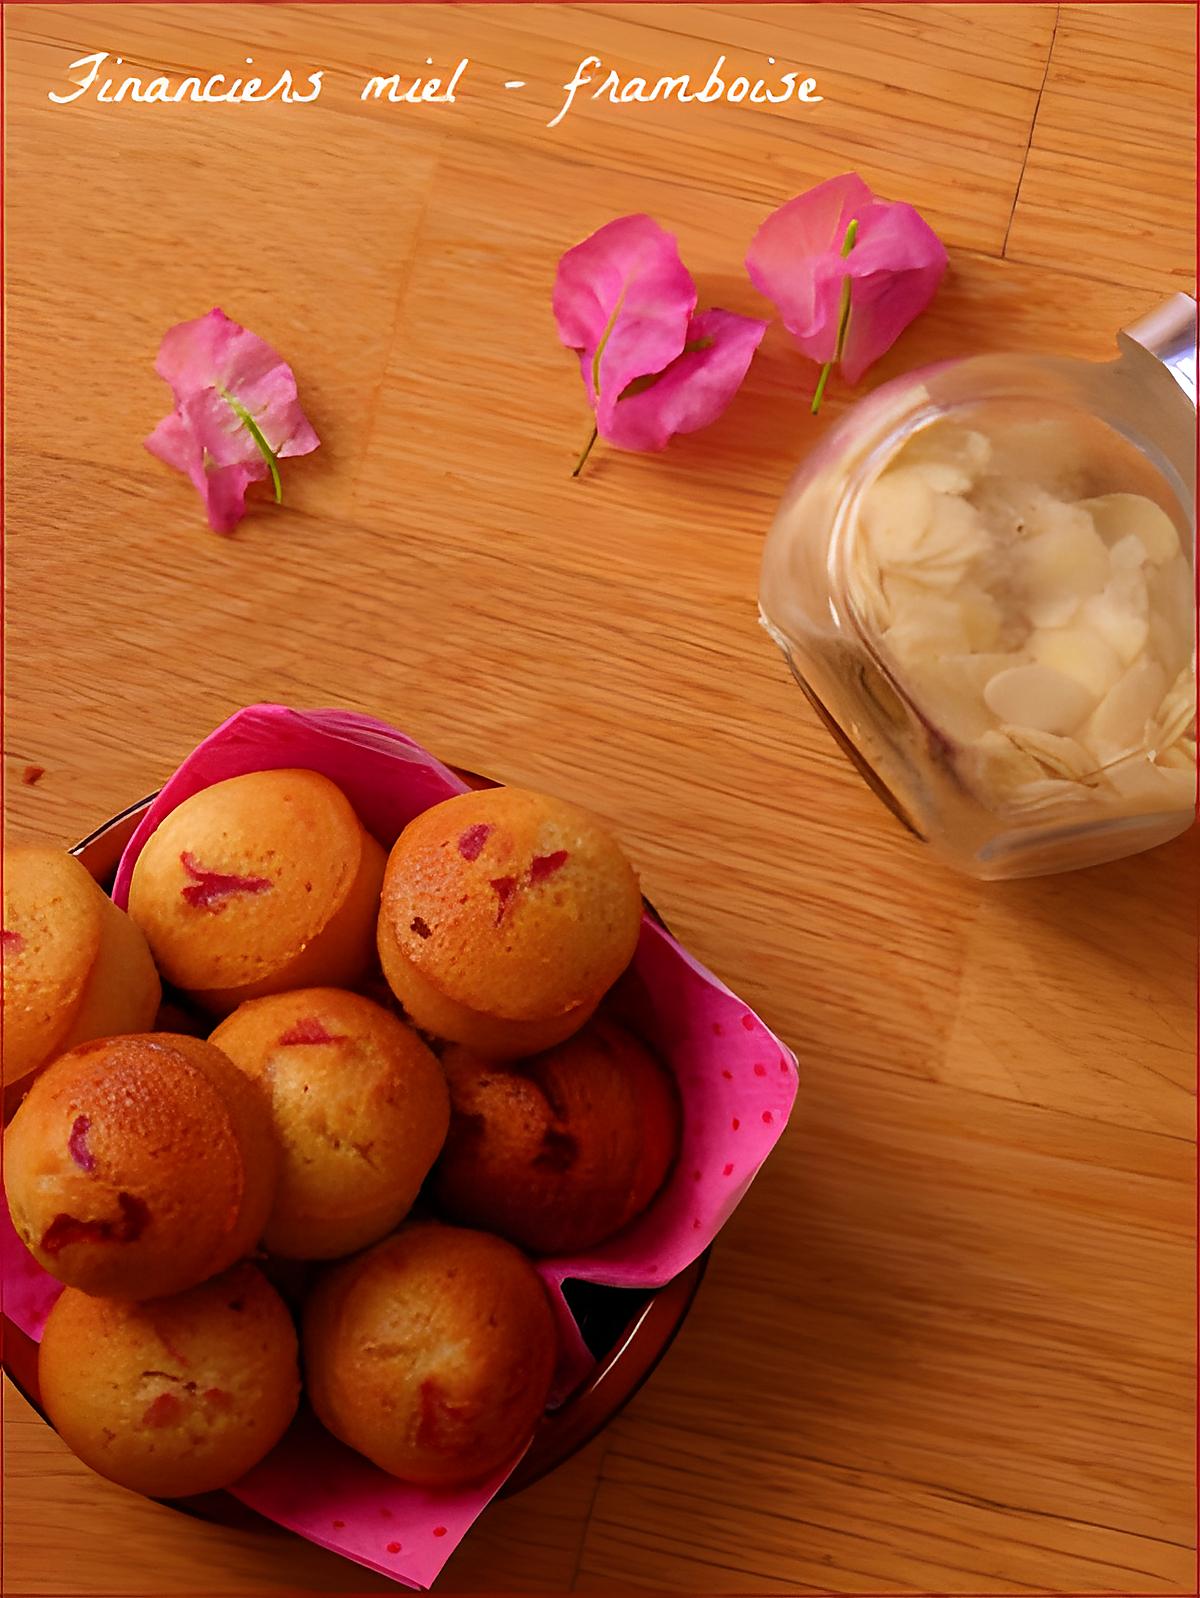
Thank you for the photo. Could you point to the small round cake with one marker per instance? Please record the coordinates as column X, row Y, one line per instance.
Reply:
column 506, row 917
column 261, row 883
column 139, row 1166
column 75, row 967
column 431, row 1354
column 360, row 1109
column 177, row 1396
column 558, row 1152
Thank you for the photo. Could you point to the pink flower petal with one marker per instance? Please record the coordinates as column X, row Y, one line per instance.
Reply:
column 213, row 353
column 622, row 300
column 214, row 366
column 174, row 442
column 222, row 488
column 894, row 270
column 693, row 390
column 793, row 258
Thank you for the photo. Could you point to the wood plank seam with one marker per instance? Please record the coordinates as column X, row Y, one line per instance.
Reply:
column 1032, row 130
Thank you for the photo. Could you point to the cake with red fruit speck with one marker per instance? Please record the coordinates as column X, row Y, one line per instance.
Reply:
column 506, row 917
column 178, row 1396
column 75, row 967
column 560, row 1151
column 139, row 1166
column 360, row 1109
column 431, row 1354
column 258, row 884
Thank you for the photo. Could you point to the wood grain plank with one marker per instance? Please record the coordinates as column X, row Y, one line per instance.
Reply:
column 67, row 1530
column 932, row 103
column 146, row 209
column 1112, row 164
column 947, row 1342
column 876, row 1367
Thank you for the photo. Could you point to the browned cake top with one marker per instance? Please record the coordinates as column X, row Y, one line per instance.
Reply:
column 240, row 877
column 560, row 1151
column 432, row 1352
column 128, row 1161
column 51, row 936
column 512, row 903
column 358, row 1100
column 178, row 1395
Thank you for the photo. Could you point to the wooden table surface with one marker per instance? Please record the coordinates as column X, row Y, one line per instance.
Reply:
column 946, row 1344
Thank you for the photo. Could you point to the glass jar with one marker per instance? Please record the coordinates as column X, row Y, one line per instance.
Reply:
column 983, row 579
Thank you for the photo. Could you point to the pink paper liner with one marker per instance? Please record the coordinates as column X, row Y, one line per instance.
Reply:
column 737, row 1083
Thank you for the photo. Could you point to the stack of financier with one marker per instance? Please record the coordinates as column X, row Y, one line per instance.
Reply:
column 412, row 1147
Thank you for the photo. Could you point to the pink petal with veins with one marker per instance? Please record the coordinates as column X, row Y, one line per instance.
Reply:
column 204, row 361
column 221, row 488
column 213, row 352
column 694, row 389
column 622, row 300
column 894, row 268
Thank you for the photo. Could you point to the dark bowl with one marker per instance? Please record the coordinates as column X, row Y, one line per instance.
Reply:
column 627, row 1330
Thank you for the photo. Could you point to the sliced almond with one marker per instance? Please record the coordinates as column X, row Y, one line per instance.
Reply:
column 950, row 690
column 955, row 532
column 1164, row 646
column 1080, row 653
column 1000, row 766
column 1120, row 615
column 1172, row 596
column 1127, row 553
column 953, row 459
column 1038, row 632
column 1039, row 696
column 982, row 617
column 1008, row 505
column 1061, row 757
column 927, row 630
column 1065, row 559
column 1117, row 515
column 866, row 589
column 1177, row 714
column 1180, row 756
column 1049, row 793
column 1048, row 451
column 1053, row 612
column 1153, row 788
column 1118, row 723
column 895, row 515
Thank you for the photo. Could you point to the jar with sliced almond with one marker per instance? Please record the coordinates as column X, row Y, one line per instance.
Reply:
column 985, row 580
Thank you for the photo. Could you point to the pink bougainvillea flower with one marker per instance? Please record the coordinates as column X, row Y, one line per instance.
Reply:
column 690, row 391
column 236, row 413
column 622, row 300
column 652, row 366
column 847, row 270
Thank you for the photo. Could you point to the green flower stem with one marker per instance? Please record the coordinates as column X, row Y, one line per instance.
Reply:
column 639, row 385
column 587, row 450
column 252, row 427
column 843, row 318
column 604, row 337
